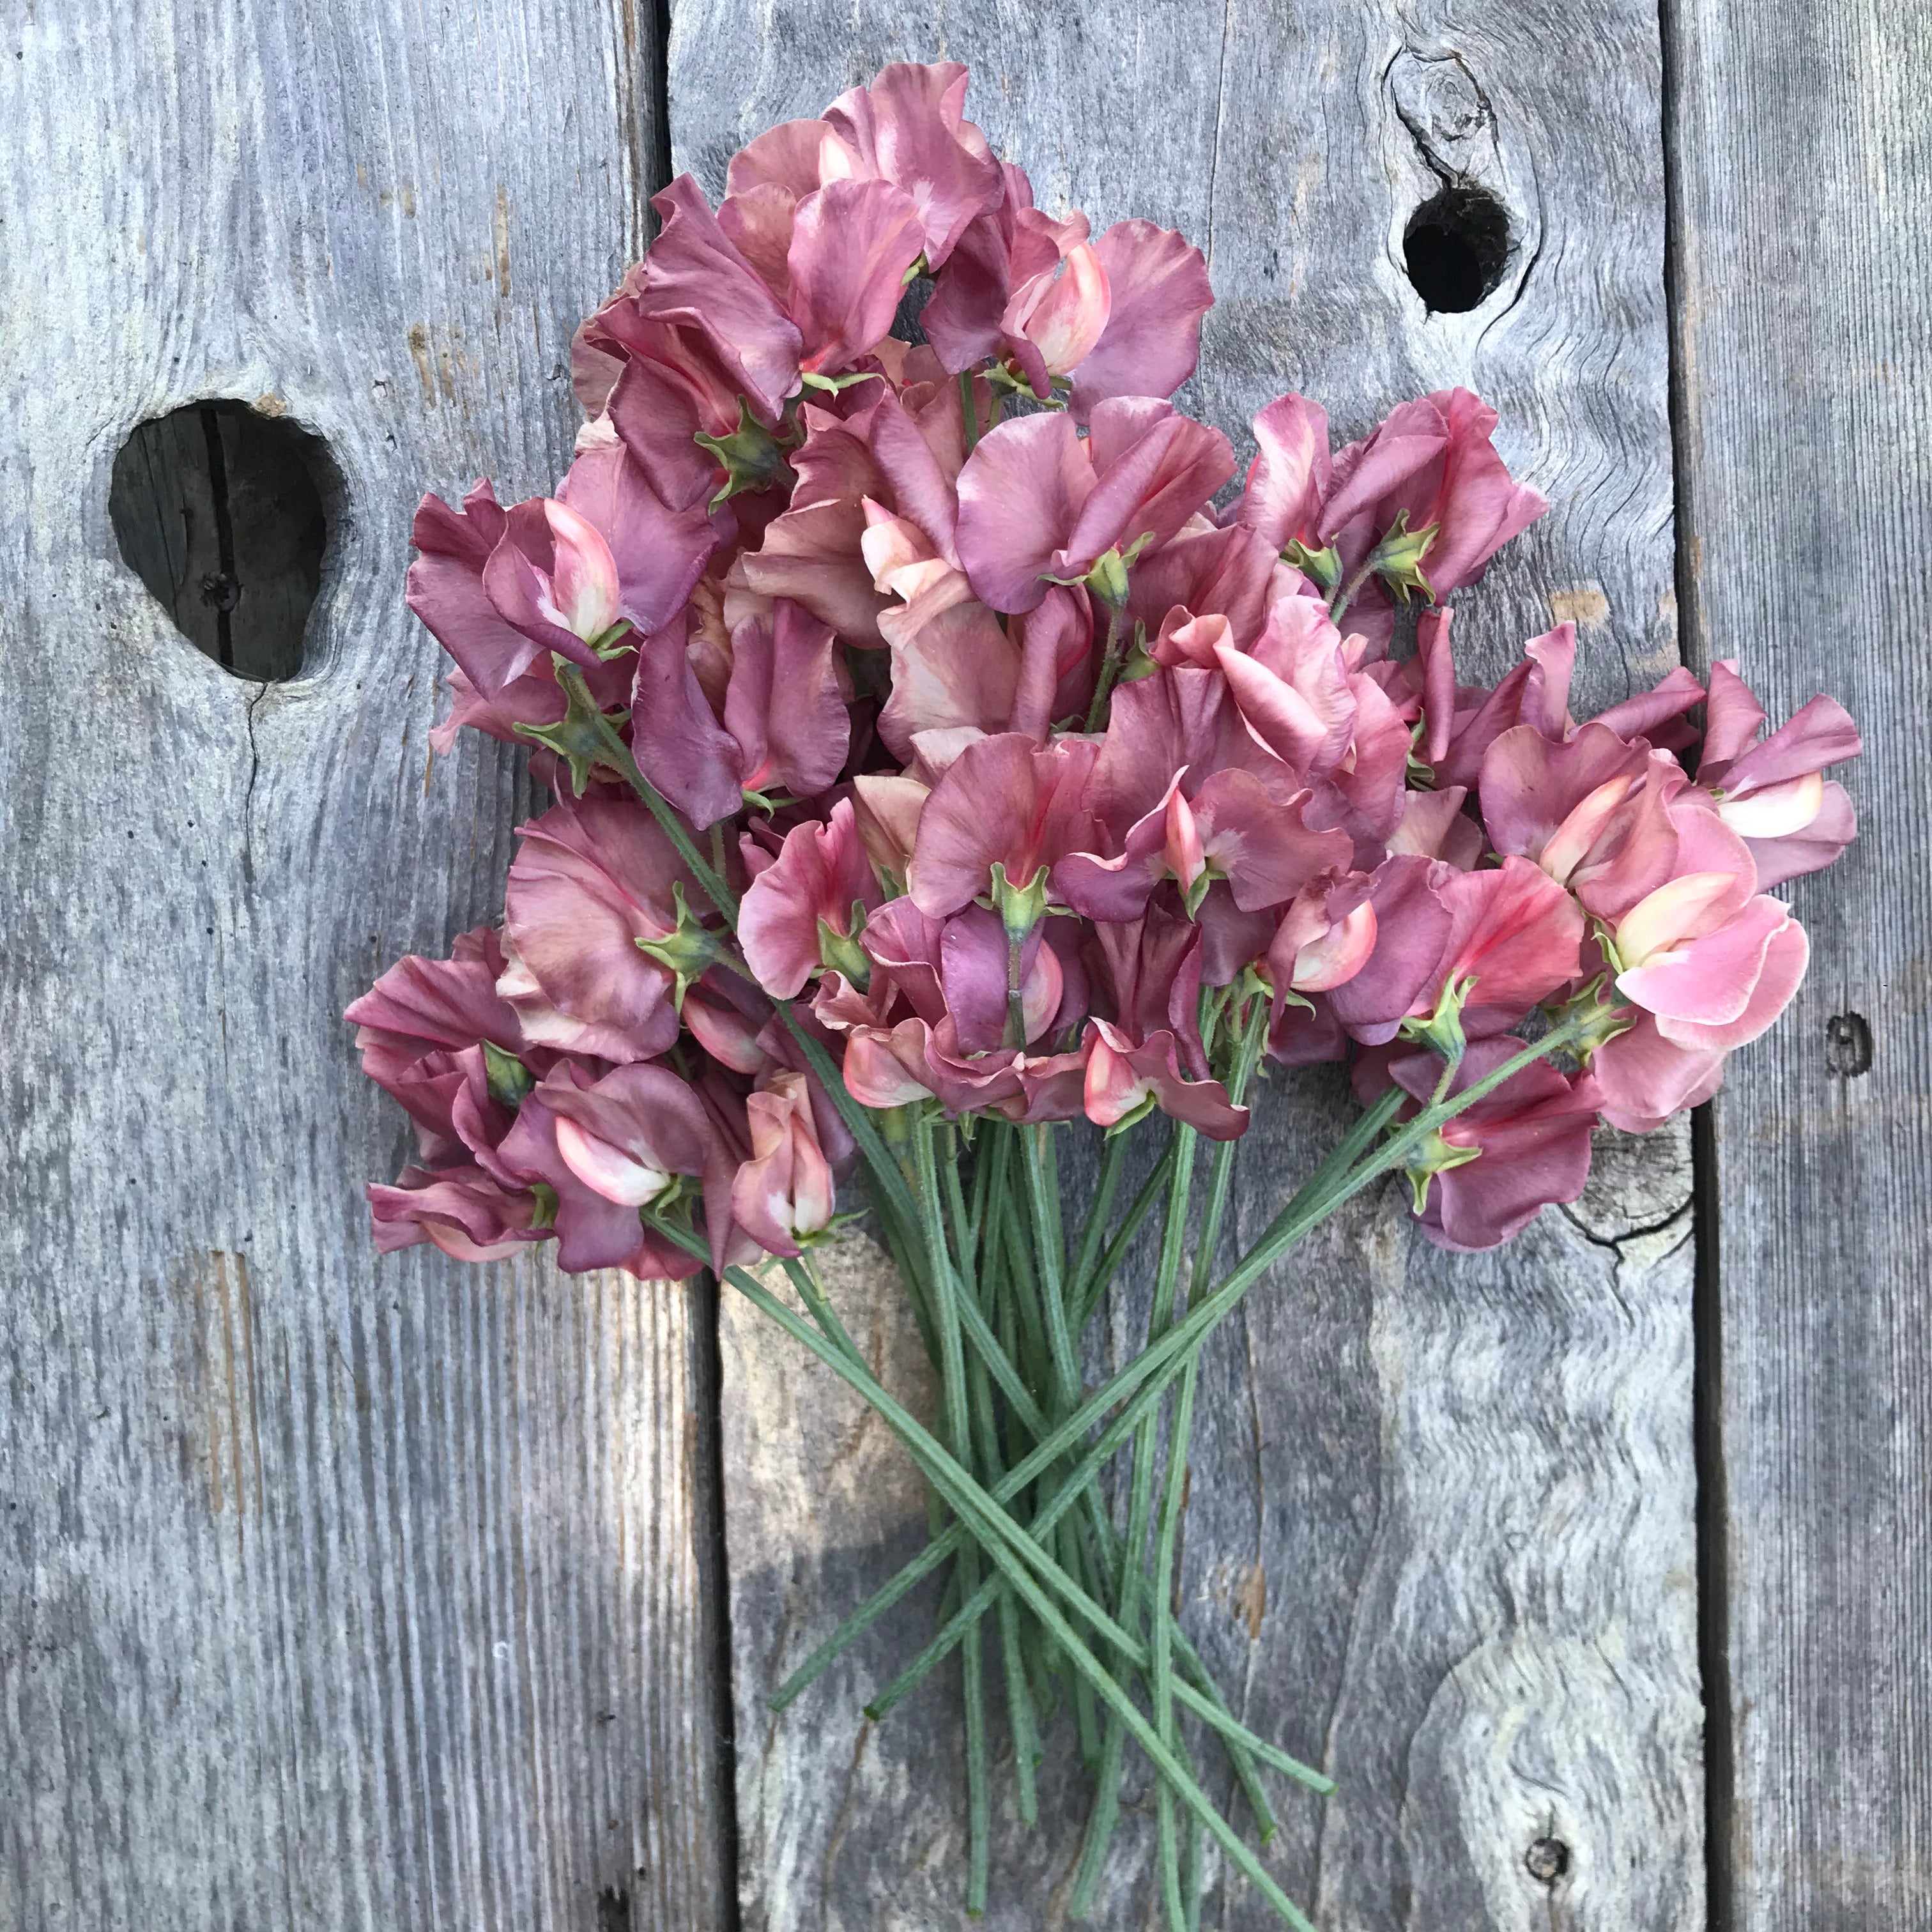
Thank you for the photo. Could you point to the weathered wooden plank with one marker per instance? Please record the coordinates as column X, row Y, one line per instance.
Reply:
column 1803, row 152
column 1441, row 1528
column 332, row 1594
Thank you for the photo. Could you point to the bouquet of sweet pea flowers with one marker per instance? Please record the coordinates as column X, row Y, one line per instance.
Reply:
column 936, row 765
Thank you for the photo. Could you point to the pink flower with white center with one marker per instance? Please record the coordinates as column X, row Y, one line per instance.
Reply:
column 804, row 911
column 1062, row 311
column 1709, row 985
column 1774, row 794
column 785, row 1192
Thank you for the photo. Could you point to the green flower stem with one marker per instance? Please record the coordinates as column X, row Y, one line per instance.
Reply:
column 946, row 1294
column 1220, row 1180
column 1093, row 1231
column 965, row 1228
column 1105, row 1816
column 1152, row 1190
column 1344, row 1174
column 1030, row 1574
column 1045, row 1207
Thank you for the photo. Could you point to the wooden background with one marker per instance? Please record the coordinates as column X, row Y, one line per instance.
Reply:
column 335, row 1595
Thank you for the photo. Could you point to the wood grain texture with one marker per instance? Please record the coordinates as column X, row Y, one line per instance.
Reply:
column 1442, row 1527
column 333, row 1593
column 1803, row 155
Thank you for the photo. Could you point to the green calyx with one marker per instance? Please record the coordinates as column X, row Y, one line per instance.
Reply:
column 686, row 951
column 751, row 455
column 581, row 736
column 1020, row 907
column 545, row 1197
column 833, row 385
column 1322, row 566
column 1107, row 577
column 841, row 952
column 1397, row 559
column 1441, row 1032
column 508, row 1080
column 1597, row 1014
column 1434, row 1156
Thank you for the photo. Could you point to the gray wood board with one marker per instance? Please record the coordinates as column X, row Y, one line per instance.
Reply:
column 1442, row 1527
column 1803, row 154
column 334, row 1593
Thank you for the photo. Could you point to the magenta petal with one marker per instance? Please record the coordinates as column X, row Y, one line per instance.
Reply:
column 445, row 590
column 1641, row 716
column 851, row 244
column 1289, row 476
column 1823, row 734
column 907, row 126
column 660, row 552
column 821, row 871
column 591, row 877
column 1153, row 469
column 693, row 273
column 1020, row 495
column 1159, row 289
column 1412, row 928
column 681, row 747
column 783, row 705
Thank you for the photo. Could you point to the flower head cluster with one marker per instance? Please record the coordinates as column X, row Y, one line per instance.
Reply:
column 1040, row 778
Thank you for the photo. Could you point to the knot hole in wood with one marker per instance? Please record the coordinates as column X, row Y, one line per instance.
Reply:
column 222, row 509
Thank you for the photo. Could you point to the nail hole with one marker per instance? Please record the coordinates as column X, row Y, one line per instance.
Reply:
column 223, row 513
column 1848, row 1044
column 1455, row 245
column 1548, row 1859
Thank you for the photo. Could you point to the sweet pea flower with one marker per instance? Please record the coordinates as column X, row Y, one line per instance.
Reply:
column 784, row 1193
column 506, row 591
column 906, row 128
column 1430, row 466
column 1469, row 950
column 467, row 1213
column 591, row 883
column 886, row 462
column 1144, row 1047
column 806, row 910
column 1005, row 801
column 1709, row 985
column 782, row 726
column 1120, row 316
column 1038, row 502
column 1774, row 794
column 1488, row 1173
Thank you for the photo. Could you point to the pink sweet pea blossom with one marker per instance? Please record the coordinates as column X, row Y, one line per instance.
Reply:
column 1004, row 801
column 591, row 877
column 812, row 898
column 1487, row 1173
column 468, row 1214
column 785, row 1191
column 1774, row 794
column 503, row 591
column 784, row 726
column 1709, row 985
column 1038, row 502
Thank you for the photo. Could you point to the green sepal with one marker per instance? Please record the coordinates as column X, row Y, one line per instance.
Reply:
column 1197, row 891
column 918, row 268
column 1321, row 566
column 841, row 952
column 1435, row 1156
column 812, row 380
column 1108, row 578
column 614, row 642
column 581, row 736
column 750, row 456
column 1134, row 1114
column 1020, row 907
column 545, row 1197
column 508, row 1080
column 687, row 951
column 1602, row 1017
column 1441, row 1032
column 1397, row 559
column 1138, row 663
